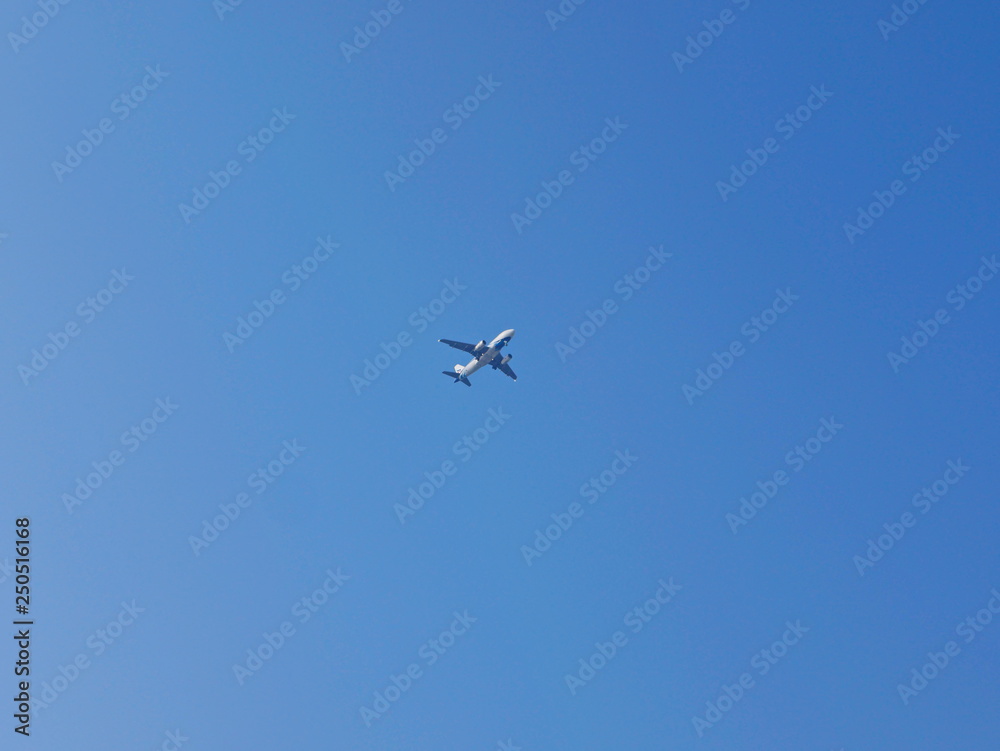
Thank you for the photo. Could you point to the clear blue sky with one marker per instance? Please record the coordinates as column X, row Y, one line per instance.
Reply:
column 130, row 298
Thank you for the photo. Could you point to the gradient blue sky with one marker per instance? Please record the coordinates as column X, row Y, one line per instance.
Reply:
column 666, row 516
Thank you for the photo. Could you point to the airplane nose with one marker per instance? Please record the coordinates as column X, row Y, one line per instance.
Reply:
column 509, row 332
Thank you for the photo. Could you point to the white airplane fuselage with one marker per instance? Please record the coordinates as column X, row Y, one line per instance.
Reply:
column 486, row 356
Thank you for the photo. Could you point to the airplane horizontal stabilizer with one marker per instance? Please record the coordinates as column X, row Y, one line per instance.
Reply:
column 457, row 377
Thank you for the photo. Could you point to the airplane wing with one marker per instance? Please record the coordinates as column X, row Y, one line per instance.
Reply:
column 470, row 348
column 498, row 363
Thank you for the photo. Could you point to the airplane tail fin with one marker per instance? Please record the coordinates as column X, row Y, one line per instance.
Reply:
column 457, row 377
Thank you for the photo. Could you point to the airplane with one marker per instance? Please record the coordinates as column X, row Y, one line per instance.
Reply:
column 482, row 354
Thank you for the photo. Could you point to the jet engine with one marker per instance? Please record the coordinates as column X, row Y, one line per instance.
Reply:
column 506, row 359
column 481, row 346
